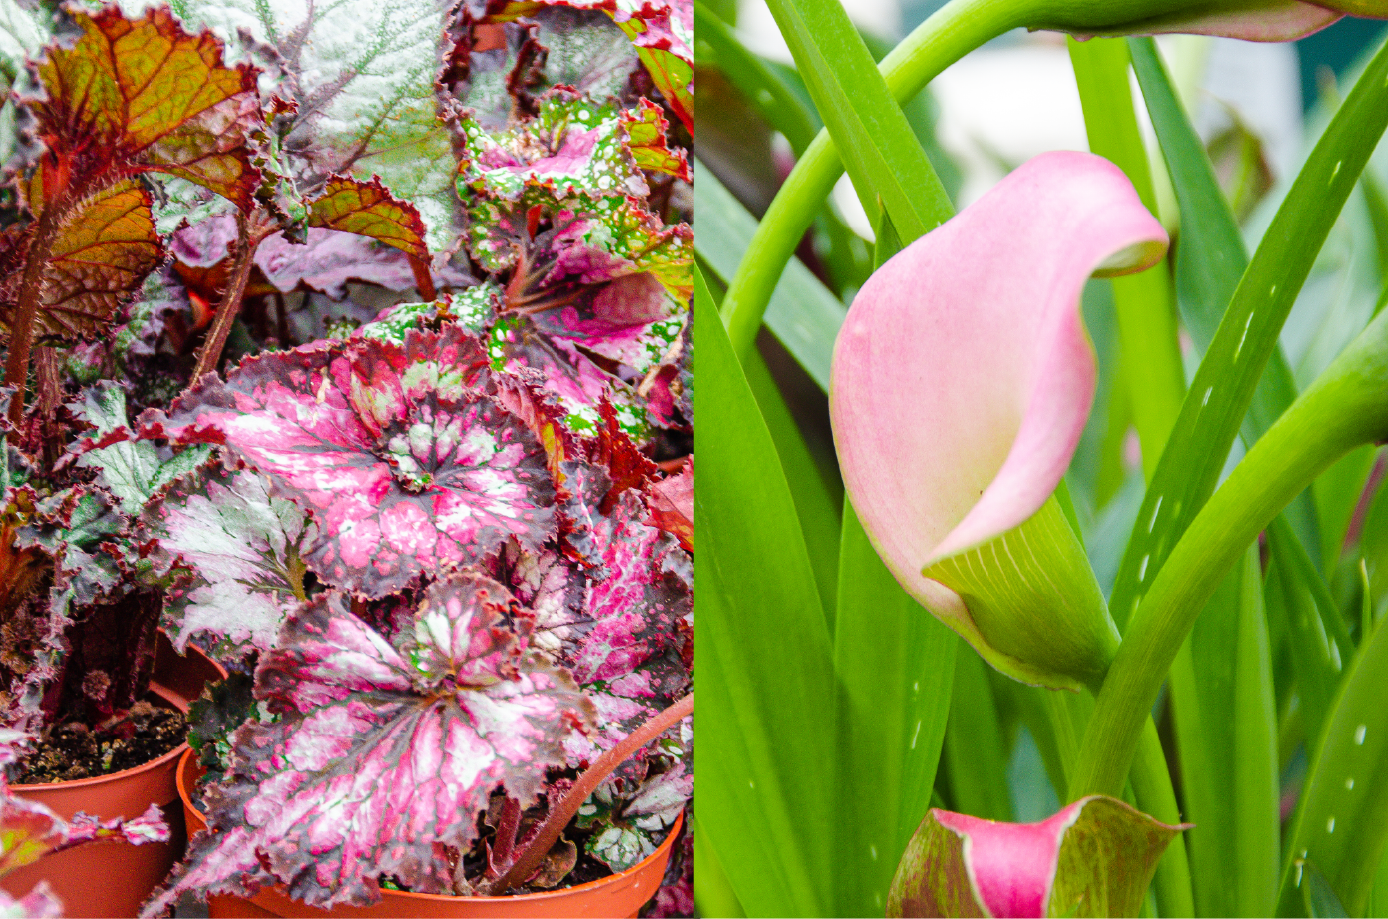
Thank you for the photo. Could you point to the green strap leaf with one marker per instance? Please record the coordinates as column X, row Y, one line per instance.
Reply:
column 894, row 662
column 881, row 152
column 803, row 314
column 1223, row 386
column 765, row 668
column 1343, row 821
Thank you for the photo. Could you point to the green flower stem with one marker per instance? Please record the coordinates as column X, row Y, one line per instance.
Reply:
column 953, row 31
column 950, row 33
column 1344, row 408
column 1145, row 303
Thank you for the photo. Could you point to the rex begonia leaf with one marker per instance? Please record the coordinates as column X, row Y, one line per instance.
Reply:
column 243, row 548
column 473, row 308
column 404, row 466
column 97, row 257
column 382, row 751
column 369, row 209
column 151, row 97
column 672, row 505
column 615, row 609
column 662, row 30
column 362, row 76
column 572, row 145
column 30, row 830
column 623, row 826
column 646, row 128
column 132, row 470
column 583, row 50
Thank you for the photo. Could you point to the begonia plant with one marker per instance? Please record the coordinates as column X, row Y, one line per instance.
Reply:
column 1163, row 700
column 350, row 345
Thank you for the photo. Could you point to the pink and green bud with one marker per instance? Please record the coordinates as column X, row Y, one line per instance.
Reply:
column 1093, row 858
column 961, row 383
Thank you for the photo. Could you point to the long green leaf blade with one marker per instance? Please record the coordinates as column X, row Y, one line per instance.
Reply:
column 1223, row 386
column 765, row 673
column 895, row 662
column 1343, row 821
column 881, row 152
column 803, row 315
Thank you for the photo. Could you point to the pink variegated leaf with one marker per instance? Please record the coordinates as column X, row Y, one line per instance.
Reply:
column 244, row 551
column 382, row 751
column 672, row 505
column 625, row 828
column 574, row 145
column 662, row 30
column 403, row 464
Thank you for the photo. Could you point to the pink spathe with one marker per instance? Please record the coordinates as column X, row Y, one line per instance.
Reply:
column 1012, row 865
column 963, row 375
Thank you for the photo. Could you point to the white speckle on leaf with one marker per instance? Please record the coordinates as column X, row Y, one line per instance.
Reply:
column 1349, row 784
column 1359, row 733
column 1330, row 825
column 916, row 735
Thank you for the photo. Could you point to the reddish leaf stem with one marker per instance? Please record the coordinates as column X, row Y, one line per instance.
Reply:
column 505, row 848
column 27, row 308
column 422, row 279
column 230, row 303
column 591, row 778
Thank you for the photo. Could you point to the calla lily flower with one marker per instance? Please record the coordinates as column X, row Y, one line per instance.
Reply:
column 1093, row 858
column 961, row 382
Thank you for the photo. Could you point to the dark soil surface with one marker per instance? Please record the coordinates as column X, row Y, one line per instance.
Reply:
column 75, row 751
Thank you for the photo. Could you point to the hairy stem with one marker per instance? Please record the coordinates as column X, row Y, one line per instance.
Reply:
column 230, row 303
column 584, row 786
column 27, row 308
column 505, row 849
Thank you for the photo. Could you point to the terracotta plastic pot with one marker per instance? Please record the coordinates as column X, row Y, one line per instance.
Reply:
column 114, row 878
column 619, row 895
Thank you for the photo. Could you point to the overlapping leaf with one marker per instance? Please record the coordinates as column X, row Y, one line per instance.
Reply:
column 623, row 828
column 243, row 548
column 361, row 74
column 144, row 95
column 132, row 471
column 98, row 256
column 404, row 466
column 496, row 76
column 382, row 750
column 369, row 209
column 662, row 30
column 619, row 617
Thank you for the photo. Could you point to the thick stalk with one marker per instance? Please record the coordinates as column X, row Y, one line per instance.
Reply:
column 584, row 786
column 951, row 32
column 230, row 303
column 1344, row 408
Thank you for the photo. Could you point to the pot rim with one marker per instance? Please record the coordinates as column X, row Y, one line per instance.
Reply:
column 164, row 693
column 186, row 764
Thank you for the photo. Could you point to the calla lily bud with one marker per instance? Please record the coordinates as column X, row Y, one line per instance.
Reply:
column 961, row 382
column 1093, row 858
column 1251, row 20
